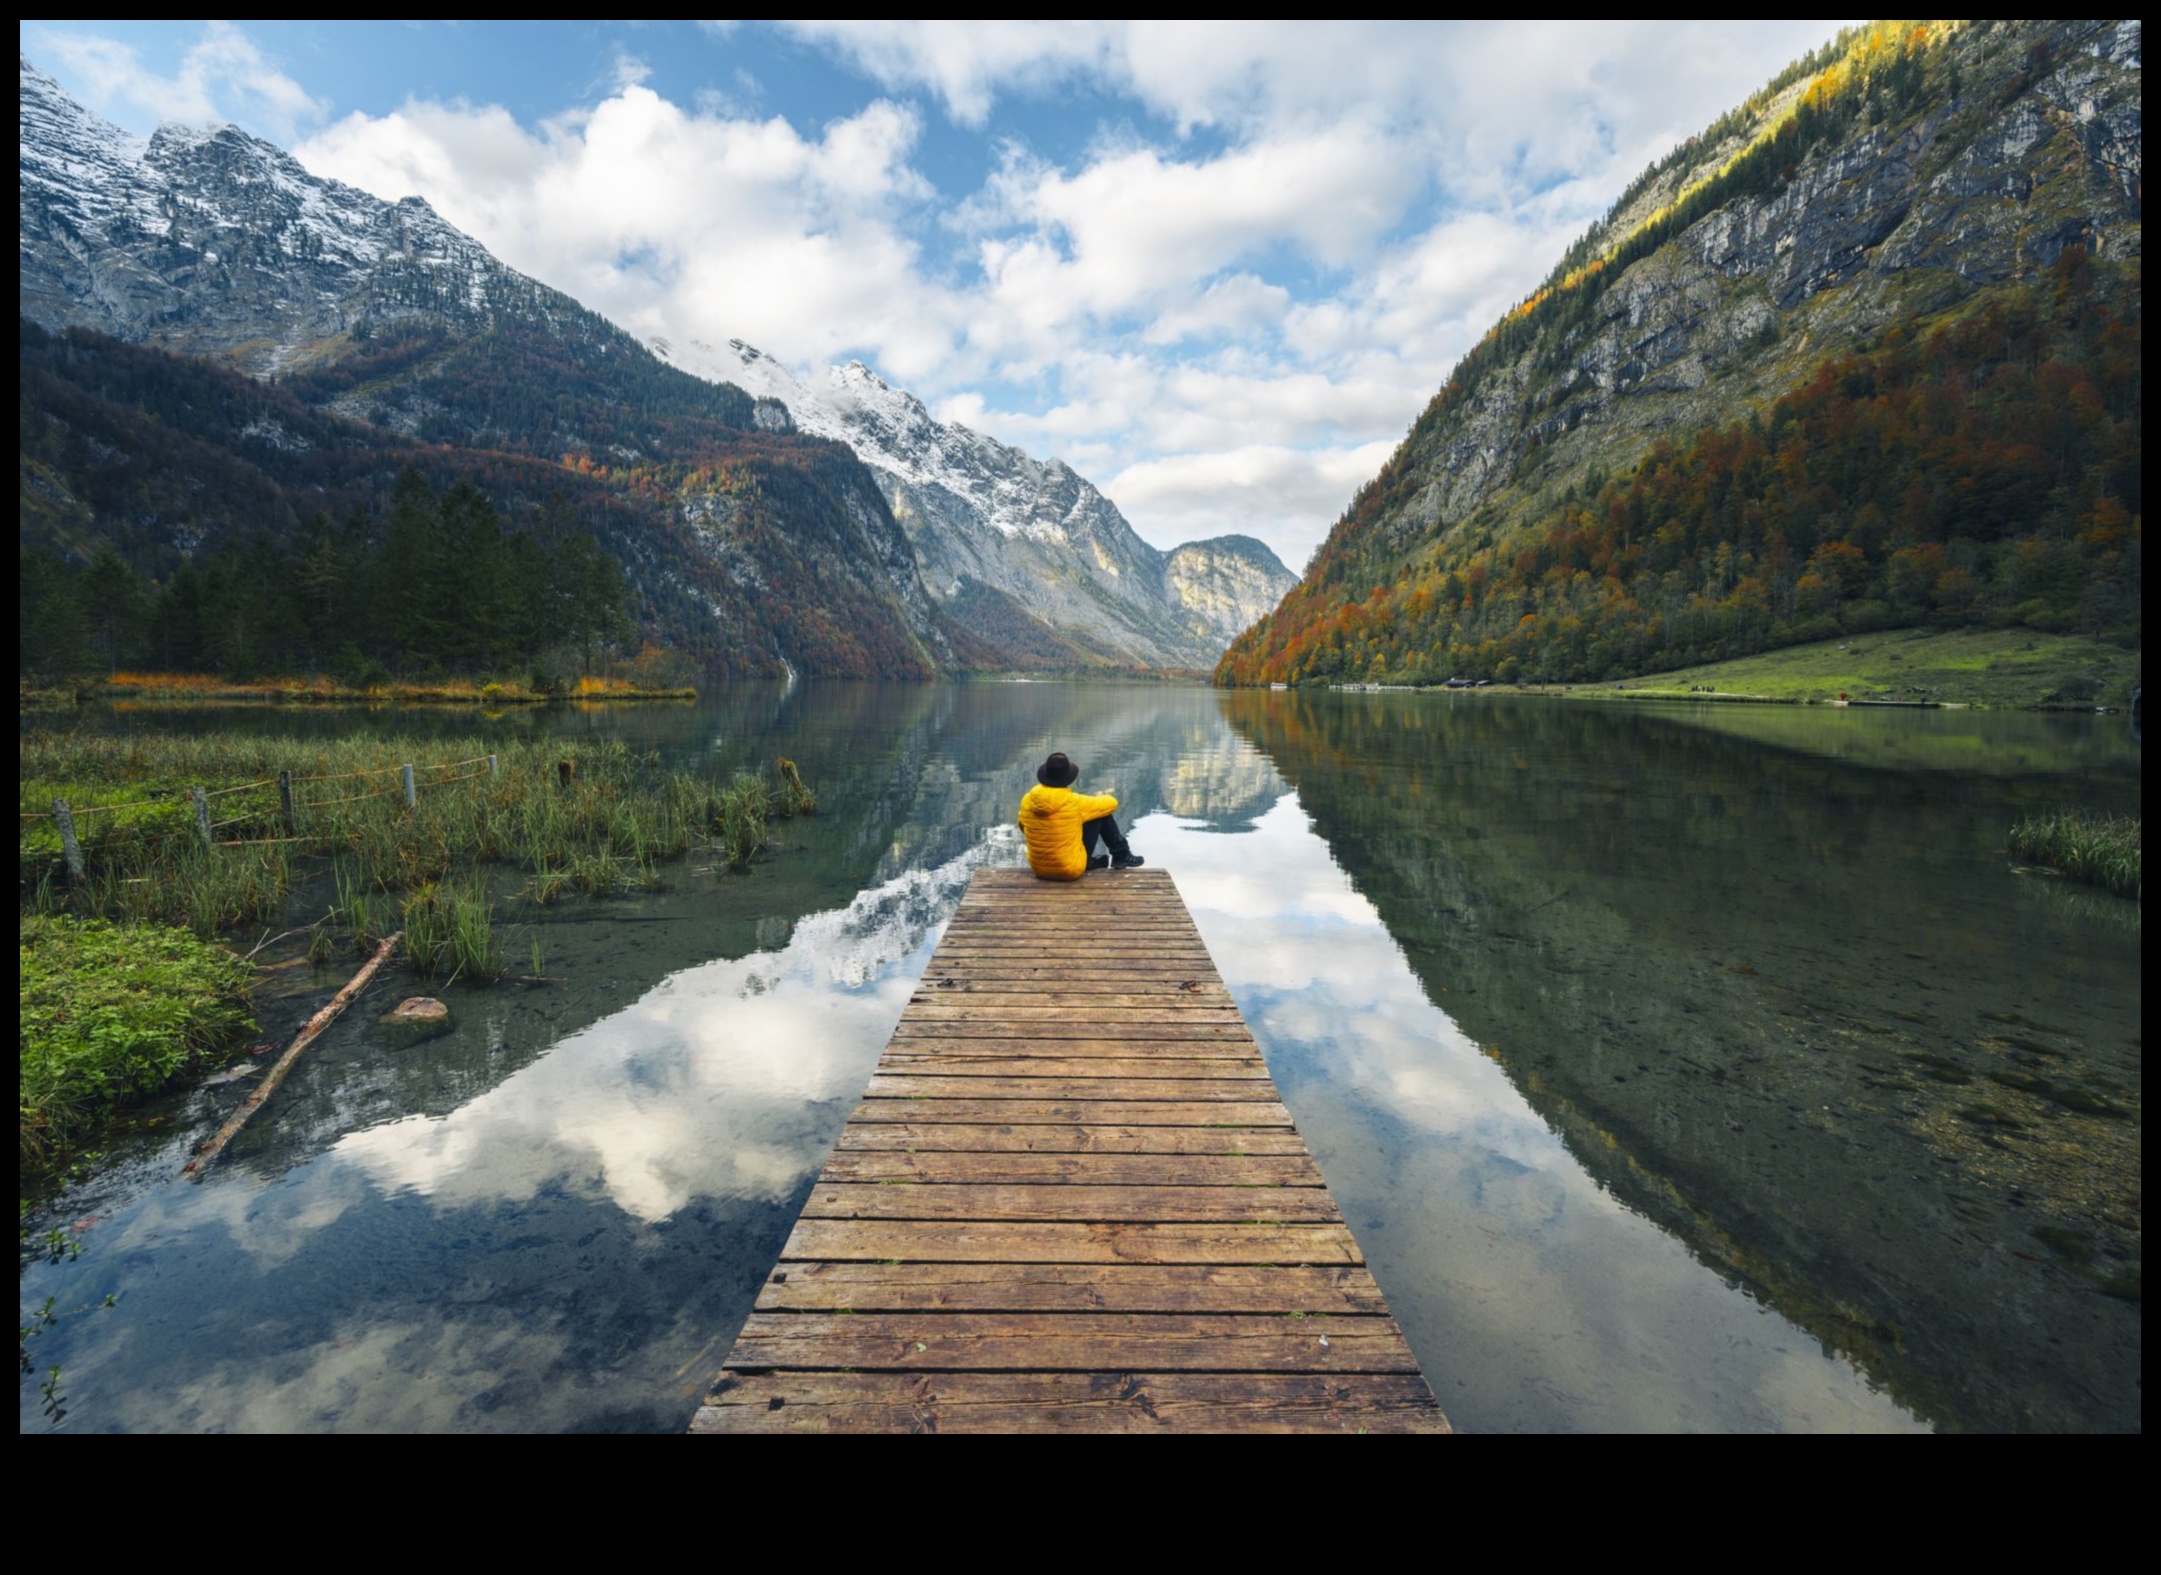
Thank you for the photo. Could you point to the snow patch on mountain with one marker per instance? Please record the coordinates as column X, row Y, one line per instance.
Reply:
column 983, row 513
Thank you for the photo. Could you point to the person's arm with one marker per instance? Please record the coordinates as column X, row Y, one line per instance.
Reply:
column 1093, row 805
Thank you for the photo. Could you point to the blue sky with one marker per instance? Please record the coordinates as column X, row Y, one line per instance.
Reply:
column 1217, row 267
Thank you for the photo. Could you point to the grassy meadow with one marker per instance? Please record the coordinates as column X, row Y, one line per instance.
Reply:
column 2003, row 668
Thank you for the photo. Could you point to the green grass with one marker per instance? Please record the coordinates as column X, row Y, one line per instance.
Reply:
column 2008, row 668
column 450, row 931
column 611, row 820
column 110, row 1015
column 2101, row 850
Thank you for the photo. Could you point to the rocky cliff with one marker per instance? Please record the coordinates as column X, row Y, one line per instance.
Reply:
column 1906, row 178
column 1023, row 546
column 751, row 546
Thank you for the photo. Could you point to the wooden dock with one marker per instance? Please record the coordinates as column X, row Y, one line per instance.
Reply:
column 1070, row 1201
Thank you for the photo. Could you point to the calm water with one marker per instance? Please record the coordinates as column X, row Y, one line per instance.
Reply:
column 1679, row 1068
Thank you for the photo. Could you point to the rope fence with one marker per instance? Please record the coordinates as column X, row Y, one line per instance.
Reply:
column 350, row 798
column 288, row 808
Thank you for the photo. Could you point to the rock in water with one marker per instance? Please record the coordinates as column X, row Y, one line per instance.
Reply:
column 416, row 1018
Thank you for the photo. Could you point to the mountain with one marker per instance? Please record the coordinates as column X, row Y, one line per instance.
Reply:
column 1008, row 541
column 753, row 541
column 752, row 547
column 1865, row 353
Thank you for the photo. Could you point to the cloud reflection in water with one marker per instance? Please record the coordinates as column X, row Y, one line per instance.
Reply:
column 1533, row 1298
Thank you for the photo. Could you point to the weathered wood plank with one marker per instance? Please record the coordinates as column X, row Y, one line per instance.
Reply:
column 1119, row 1402
column 1066, row 1287
column 1102, row 1138
column 944, row 1241
column 1093, row 1169
column 1026, row 1018
column 1225, row 1033
column 1166, row 995
column 905, row 1200
column 957, row 1063
column 1072, row 1342
column 1133, row 1046
column 1184, row 1089
column 1078, row 1112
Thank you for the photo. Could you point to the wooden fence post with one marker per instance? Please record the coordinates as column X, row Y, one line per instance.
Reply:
column 70, row 849
column 285, row 802
column 201, row 796
column 494, row 770
column 405, row 774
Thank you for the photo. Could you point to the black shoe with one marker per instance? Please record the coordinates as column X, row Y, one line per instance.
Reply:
column 1101, row 861
column 1127, row 861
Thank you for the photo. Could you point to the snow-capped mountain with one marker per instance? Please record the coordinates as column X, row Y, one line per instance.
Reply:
column 945, row 550
column 990, row 522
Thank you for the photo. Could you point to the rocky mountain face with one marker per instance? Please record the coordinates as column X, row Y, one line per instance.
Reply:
column 1023, row 546
column 1906, row 178
column 951, row 552
column 752, row 547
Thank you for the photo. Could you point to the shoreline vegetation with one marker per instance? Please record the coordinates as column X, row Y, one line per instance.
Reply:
column 129, row 690
column 1997, row 669
column 171, row 841
column 2099, row 850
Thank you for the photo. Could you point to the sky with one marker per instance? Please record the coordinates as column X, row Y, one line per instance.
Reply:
column 1216, row 267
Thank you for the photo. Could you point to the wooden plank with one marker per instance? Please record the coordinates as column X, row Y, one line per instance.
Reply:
column 1038, row 977
column 905, row 1200
column 924, row 1137
column 1077, row 1029
column 1162, row 996
column 1077, row 1112
column 1072, row 1342
column 977, row 1241
column 1067, row 1287
column 1164, row 1052
column 1184, row 1089
column 1093, row 1169
column 1182, row 1013
column 958, row 1063
column 1121, row 1402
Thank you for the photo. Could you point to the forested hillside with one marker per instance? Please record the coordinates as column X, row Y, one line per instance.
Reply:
column 1865, row 354
column 174, row 514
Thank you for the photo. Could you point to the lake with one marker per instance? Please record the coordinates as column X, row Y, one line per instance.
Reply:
column 1679, row 1067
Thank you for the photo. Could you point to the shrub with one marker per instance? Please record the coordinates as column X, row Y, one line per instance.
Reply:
column 111, row 1015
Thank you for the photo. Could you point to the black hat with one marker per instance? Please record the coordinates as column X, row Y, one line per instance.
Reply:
column 1057, row 771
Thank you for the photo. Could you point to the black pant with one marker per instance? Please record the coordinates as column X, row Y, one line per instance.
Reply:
column 1105, row 830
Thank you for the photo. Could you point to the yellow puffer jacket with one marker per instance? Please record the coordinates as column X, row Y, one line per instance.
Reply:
column 1051, row 819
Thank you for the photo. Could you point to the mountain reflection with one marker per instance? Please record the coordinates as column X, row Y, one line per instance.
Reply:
column 1794, row 1009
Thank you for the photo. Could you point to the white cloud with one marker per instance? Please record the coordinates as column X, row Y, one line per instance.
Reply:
column 223, row 77
column 1230, row 302
column 1288, row 497
column 966, row 64
column 699, row 224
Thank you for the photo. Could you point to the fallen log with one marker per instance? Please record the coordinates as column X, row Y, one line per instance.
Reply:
column 309, row 1032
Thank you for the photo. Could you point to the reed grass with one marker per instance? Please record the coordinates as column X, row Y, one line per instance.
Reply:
column 593, row 816
column 2101, row 850
column 450, row 931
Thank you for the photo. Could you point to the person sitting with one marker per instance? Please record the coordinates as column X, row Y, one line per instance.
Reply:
column 1063, row 827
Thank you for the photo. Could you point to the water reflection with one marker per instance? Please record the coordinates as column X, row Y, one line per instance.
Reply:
column 1602, row 1024
column 1535, row 1300
column 1796, row 1009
